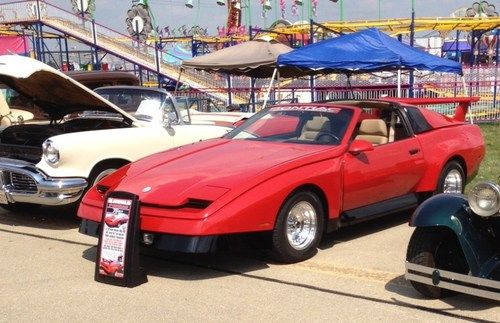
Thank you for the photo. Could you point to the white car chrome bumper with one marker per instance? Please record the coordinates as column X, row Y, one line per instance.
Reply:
column 22, row 182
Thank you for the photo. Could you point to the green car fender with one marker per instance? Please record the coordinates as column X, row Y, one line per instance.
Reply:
column 452, row 211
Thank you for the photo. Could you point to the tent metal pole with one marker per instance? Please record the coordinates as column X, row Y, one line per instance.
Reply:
column 229, row 90
column 467, row 94
column 311, row 41
column 496, row 70
column 399, row 83
column 349, row 85
column 252, row 93
column 269, row 89
column 459, row 59
column 279, row 85
column 178, row 80
column 158, row 58
column 400, row 39
column 412, row 40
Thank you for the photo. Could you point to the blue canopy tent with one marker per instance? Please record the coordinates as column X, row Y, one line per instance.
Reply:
column 365, row 51
column 368, row 50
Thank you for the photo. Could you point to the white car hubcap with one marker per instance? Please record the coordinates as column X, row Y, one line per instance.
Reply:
column 103, row 174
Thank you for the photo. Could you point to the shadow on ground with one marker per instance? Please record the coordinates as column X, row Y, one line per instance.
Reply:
column 360, row 230
column 402, row 287
column 181, row 266
column 203, row 267
column 52, row 218
column 239, row 255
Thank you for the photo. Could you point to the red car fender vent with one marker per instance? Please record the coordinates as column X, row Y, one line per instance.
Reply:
column 102, row 189
column 190, row 204
column 197, row 204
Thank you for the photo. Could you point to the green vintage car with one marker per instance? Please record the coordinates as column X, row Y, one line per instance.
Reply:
column 456, row 244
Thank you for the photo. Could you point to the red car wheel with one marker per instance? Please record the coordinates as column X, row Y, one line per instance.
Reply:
column 298, row 228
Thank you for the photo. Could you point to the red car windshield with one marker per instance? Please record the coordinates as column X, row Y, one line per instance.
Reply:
column 300, row 124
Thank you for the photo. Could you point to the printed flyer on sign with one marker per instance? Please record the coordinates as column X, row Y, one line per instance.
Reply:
column 114, row 237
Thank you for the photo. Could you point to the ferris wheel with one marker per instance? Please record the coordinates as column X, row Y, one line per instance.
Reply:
column 234, row 9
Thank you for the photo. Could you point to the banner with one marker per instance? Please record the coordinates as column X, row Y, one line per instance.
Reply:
column 14, row 45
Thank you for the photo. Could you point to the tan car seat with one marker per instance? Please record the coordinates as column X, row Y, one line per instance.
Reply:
column 374, row 131
column 313, row 127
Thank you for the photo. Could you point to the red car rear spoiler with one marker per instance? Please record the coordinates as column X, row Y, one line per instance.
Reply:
column 460, row 110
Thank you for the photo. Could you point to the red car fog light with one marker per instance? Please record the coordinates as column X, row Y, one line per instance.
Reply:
column 148, row 238
column 102, row 189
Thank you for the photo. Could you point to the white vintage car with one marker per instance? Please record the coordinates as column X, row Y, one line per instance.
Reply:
column 86, row 137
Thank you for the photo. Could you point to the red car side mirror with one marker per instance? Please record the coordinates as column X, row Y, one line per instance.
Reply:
column 359, row 146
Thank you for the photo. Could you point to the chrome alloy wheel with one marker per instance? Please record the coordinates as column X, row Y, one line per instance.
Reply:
column 302, row 224
column 453, row 182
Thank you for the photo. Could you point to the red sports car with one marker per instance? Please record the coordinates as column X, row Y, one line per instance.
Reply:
column 111, row 267
column 295, row 172
column 115, row 220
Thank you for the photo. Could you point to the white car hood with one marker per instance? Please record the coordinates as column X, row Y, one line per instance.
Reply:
column 54, row 92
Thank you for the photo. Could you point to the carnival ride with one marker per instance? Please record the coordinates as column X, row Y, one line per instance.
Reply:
column 144, row 46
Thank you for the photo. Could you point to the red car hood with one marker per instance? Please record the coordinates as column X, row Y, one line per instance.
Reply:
column 207, row 170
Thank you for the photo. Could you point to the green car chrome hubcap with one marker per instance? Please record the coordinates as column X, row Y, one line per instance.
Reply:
column 453, row 182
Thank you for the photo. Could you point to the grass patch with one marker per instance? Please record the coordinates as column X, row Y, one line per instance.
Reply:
column 490, row 167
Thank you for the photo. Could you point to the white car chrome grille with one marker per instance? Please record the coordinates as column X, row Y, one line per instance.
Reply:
column 22, row 183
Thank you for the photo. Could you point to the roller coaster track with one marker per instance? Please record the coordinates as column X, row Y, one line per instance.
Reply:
column 112, row 42
column 402, row 25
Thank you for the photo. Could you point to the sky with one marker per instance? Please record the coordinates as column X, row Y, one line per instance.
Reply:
column 207, row 14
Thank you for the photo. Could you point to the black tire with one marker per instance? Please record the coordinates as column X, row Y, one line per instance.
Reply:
column 20, row 207
column 436, row 248
column 452, row 167
column 102, row 170
column 282, row 249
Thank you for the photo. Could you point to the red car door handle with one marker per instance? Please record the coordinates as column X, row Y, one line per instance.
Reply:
column 414, row 151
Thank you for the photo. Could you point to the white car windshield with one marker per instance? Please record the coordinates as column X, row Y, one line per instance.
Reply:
column 145, row 104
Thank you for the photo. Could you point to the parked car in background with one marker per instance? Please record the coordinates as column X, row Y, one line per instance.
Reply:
column 295, row 171
column 133, row 99
column 456, row 244
column 85, row 138
column 98, row 78
column 129, row 97
column 204, row 104
column 205, row 109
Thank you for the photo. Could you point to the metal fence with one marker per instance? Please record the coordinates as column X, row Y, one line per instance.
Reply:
column 483, row 82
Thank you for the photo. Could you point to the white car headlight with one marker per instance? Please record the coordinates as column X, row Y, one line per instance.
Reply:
column 484, row 199
column 50, row 152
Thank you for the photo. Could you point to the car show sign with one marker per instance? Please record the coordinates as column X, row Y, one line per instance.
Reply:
column 117, row 260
